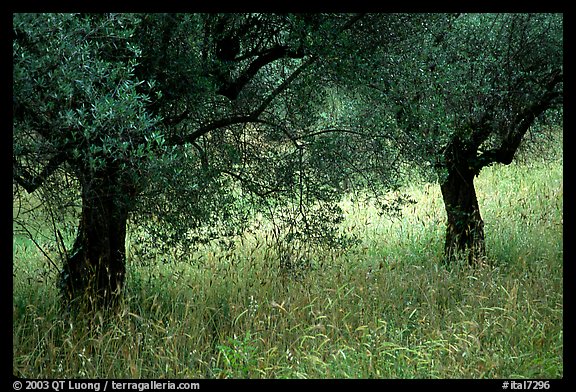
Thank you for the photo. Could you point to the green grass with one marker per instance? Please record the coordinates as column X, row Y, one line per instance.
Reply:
column 385, row 308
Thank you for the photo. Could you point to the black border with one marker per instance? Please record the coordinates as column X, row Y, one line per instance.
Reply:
column 369, row 6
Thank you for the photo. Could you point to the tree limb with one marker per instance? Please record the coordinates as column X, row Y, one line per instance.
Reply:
column 232, row 89
column 31, row 183
column 253, row 116
column 505, row 152
column 269, row 190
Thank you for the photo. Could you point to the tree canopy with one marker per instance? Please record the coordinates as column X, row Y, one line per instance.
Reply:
column 463, row 94
column 189, row 124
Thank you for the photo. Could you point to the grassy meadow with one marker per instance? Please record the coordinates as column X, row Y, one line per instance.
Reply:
column 384, row 308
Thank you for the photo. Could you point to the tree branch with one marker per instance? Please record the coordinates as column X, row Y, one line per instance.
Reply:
column 176, row 119
column 505, row 152
column 232, row 89
column 253, row 116
column 31, row 183
column 269, row 190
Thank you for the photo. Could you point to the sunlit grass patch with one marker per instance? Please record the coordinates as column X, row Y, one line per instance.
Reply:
column 384, row 308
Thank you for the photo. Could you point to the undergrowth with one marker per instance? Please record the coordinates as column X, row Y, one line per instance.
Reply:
column 384, row 308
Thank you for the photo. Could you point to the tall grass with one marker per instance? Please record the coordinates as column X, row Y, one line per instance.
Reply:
column 385, row 308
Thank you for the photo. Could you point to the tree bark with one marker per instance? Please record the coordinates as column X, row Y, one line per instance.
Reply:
column 465, row 228
column 93, row 273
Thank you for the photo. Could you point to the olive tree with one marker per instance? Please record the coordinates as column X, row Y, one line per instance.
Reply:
column 176, row 121
column 463, row 95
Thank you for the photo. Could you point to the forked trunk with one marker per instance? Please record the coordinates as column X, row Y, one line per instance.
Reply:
column 465, row 228
column 93, row 274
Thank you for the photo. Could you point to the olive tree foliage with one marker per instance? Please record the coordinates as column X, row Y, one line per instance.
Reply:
column 82, row 135
column 357, row 144
column 183, row 124
column 463, row 95
column 244, row 131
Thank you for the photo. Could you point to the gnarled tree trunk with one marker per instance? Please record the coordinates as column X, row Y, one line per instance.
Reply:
column 465, row 228
column 93, row 273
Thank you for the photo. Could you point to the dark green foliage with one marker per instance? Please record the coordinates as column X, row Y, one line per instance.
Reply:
column 162, row 120
column 188, row 126
column 467, row 97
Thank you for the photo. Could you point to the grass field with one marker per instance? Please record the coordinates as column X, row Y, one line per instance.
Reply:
column 385, row 308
